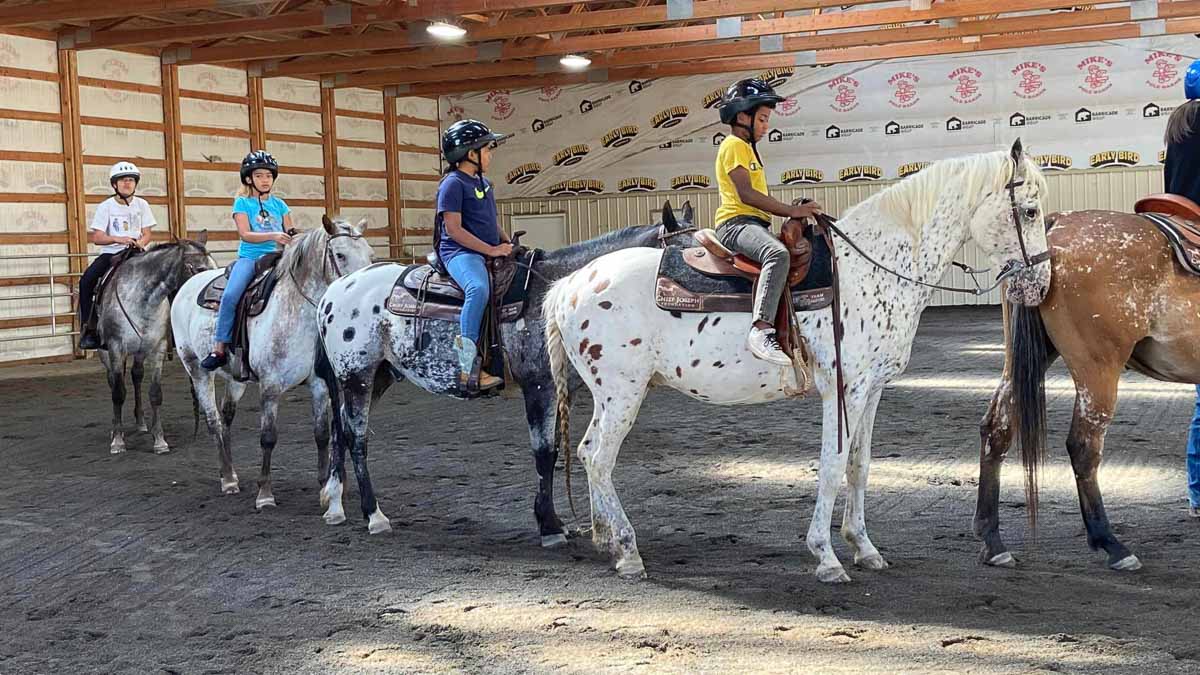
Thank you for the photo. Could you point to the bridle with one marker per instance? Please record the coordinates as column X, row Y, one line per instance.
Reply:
column 328, row 257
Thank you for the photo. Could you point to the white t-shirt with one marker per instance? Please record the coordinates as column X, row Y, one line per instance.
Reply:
column 116, row 219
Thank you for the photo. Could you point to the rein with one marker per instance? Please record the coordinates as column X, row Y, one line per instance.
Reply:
column 325, row 260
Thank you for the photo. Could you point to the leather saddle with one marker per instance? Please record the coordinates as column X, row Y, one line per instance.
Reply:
column 424, row 292
column 1178, row 218
column 254, row 302
column 118, row 259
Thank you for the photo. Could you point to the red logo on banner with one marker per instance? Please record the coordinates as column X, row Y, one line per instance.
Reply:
column 456, row 113
column 502, row 107
column 788, row 106
column 1095, row 71
column 1029, row 79
column 1166, row 70
column 966, row 87
column 549, row 93
column 904, row 90
column 845, row 93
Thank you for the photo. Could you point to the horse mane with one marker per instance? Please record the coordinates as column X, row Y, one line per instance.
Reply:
column 304, row 246
column 912, row 200
column 601, row 242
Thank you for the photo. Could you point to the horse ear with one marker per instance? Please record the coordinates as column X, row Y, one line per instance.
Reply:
column 1017, row 150
column 330, row 228
column 668, row 218
column 687, row 212
column 202, row 238
column 361, row 227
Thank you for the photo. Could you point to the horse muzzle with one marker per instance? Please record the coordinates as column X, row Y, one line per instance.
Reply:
column 1029, row 285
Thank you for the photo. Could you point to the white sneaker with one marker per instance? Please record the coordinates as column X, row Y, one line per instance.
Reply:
column 764, row 346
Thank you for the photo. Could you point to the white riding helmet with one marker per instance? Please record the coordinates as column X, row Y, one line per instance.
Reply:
column 124, row 170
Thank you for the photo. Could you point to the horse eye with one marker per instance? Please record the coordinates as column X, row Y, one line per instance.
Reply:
column 341, row 257
column 1031, row 213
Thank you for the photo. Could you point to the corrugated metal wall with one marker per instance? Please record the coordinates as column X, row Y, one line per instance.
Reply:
column 591, row 216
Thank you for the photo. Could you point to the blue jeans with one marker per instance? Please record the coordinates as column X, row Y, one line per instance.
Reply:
column 470, row 272
column 1193, row 455
column 239, row 279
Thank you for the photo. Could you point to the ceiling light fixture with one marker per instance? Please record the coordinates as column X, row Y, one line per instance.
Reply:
column 575, row 61
column 445, row 31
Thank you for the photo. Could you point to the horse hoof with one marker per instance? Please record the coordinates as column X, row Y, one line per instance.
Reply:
column 230, row 487
column 378, row 523
column 872, row 562
column 553, row 540
column 161, row 448
column 833, row 575
column 1129, row 563
column 334, row 518
column 143, row 428
column 631, row 569
column 264, row 501
column 116, row 449
column 1004, row 559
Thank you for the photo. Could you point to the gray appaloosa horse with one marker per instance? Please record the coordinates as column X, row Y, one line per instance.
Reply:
column 366, row 349
column 133, row 323
column 283, row 342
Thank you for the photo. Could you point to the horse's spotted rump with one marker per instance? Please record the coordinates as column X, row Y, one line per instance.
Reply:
column 594, row 352
column 348, row 334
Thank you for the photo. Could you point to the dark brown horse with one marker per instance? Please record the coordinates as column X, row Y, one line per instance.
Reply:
column 1118, row 299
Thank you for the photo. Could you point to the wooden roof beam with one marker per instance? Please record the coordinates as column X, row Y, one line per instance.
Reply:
column 696, row 34
column 910, row 50
column 336, row 14
column 59, row 11
column 513, row 28
column 742, row 49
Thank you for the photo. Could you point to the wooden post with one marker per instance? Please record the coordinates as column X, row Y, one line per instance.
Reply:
column 258, row 126
column 77, row 225
column 329, row 148
column 394, row 188
column 173, row 147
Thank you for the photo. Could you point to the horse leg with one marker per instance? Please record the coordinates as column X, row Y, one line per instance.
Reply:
column 136, row 374
column 334, row 476
column 114, row 366
column 995, row 437
column 356, row 410
column 156, row 400
column 612, row 419
column 267, row 438
column 854, row 523
column 206, row 396
column 1095, row 403
column 833, row 464
column 322, row 416
column 229, row 401
column 540, row 415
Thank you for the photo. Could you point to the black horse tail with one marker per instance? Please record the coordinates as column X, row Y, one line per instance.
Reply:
column 195, row 409
column 323, row 369
column 1030, row 354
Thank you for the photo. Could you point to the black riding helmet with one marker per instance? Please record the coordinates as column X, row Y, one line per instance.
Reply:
column 745, row 96
column 464, row 136
column 259, row 159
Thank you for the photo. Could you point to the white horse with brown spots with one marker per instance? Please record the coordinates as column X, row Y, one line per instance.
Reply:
column 603, row 321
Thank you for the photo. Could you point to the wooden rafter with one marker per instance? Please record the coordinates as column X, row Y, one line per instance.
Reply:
column 1124, row 31
column 334, row 15
column 697, row 51
column 73, row 10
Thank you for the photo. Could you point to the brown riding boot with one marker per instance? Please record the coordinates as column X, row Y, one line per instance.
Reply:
column 467, row 353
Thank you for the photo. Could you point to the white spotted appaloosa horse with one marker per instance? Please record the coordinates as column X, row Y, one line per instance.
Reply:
column 603, row 320
column 283, row 343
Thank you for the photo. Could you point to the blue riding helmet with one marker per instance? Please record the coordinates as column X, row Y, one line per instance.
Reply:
column 1191, row 81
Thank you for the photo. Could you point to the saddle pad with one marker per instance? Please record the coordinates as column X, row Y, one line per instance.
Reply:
column 681, row 288
column 420, row 291
column 1182, row 236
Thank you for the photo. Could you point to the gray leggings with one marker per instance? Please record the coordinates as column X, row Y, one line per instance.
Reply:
column 752, row 238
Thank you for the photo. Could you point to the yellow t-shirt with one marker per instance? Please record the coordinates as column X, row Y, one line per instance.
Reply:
column 735, row 152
